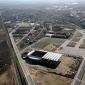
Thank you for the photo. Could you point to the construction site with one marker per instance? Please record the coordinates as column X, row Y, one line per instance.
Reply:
column 49, row 44
column 45, row 57
column 47, row 67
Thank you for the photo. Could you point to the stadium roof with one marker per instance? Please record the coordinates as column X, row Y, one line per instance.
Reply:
column 44, row 55
column 52, row 56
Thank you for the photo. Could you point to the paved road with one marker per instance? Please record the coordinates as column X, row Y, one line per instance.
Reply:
column 73, row 50
column 22, row 39
column 76, row 51
column 22, row 63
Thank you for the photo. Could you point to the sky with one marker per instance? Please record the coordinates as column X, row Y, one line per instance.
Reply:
column 25, row 0
column 38, row 1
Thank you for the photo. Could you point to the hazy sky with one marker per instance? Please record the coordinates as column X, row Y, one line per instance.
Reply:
column 36, row 1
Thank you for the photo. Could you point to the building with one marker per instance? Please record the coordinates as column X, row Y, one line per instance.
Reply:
column 48, row 59
column 25, row 25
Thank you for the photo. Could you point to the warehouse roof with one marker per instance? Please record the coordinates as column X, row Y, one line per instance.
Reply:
column 52, row 56
column 44, row 55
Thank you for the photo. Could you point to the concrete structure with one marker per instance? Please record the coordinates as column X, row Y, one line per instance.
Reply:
column 49, row 35
column 22, row 24
column 41, row 55
column 52, row 56
column 22, row 67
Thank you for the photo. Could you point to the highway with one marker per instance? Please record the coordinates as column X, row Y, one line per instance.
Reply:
column 27, row 75
column 28, row 79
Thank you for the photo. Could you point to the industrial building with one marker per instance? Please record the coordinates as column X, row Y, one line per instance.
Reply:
column 48, row 59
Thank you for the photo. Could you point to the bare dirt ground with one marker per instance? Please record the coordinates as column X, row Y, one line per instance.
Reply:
column 51, row 47
column 42, row 77
column 62, row 75
column 68, row 66
column 82, row 45
column 17, row 39
column 42, row 43
column 64, row 66
column 8, row 77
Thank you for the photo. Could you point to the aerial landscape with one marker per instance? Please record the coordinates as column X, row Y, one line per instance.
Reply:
column 42, row 42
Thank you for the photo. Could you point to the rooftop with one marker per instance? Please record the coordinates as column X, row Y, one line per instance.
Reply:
column 44, row 55
column 23, row 24
column 52, row 56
